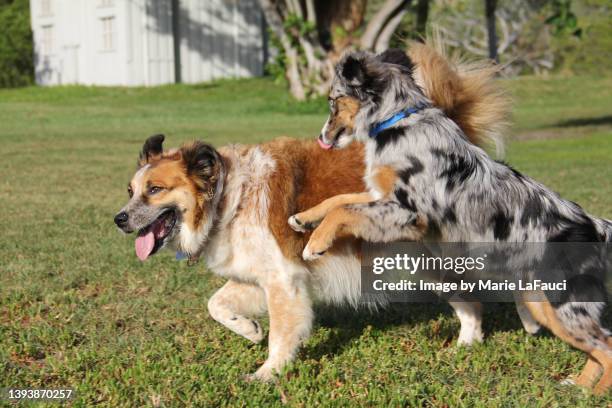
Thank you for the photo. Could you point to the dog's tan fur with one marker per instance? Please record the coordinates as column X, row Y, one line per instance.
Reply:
column 465, row 91
column 599, row 361
column 246, row 237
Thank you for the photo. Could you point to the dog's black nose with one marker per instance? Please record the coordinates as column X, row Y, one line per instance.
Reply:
column 121, row 219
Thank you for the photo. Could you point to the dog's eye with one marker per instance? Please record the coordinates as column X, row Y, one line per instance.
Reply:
column 130, row 192
column 154, row 190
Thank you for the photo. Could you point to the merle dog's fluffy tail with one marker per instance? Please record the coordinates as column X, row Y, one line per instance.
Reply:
column 466, row 91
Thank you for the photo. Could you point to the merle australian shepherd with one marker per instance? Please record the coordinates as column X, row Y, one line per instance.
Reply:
column 424, row 175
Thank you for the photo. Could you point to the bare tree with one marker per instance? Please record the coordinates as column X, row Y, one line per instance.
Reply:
column 520, row 39
column 313, row 34
column 383, row 24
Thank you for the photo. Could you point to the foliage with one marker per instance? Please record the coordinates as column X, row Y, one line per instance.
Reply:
column 563, row 19
column 522, row 44
column 591, row 52
column 311, row 35
column 534, row 36
column 277, row 64
column 16, row 47
column 77, row 309
column 276, row 67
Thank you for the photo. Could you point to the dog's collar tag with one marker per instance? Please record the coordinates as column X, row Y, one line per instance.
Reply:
column 385, row 124
column 180, row 256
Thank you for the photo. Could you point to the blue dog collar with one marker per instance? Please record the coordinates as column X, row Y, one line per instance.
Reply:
column 379, row 127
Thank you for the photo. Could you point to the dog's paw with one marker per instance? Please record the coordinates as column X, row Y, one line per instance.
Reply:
column 264, row 374
column 531, row 327
column 257, row 334
column 309, row 254
column 296, row 224
column 469, row 337
column 300, row 226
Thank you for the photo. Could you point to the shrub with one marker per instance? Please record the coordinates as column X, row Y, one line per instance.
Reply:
column 589, row 54
column 16, row 53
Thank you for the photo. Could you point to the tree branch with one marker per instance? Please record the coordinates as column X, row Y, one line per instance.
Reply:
column 276, row 25
column 382, row 43
column 378, row 22
column 311, row 13
column 422, row 11
column 295, row 8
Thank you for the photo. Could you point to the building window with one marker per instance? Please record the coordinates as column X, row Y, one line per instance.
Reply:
column 46, row 39
column 108, row 33
column 106, row 3
column 45, row 7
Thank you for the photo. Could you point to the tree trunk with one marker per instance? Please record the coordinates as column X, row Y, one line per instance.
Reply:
column 292, row 74
column 422, row 13
column 309, row 54
column 338, row 21
column 382, row 42
column 376, row 26
column 490, row 6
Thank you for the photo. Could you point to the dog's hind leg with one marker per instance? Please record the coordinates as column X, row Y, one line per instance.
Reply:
column 530, row 325
column 309, row 219
column 577, row 323
column 377, row 221
column 604, row 357
column 291, row 318
column 591, row 371
column 470, row 316
column 233, row 306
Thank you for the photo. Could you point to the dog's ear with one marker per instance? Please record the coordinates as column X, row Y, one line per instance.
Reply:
column 151, row 150
column 353, row 70
column 203, row 164
column 398, row 57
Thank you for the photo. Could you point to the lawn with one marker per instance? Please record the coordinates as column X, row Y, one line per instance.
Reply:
column 78, row 310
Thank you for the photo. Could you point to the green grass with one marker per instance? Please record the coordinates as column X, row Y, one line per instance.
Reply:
column 77, row 309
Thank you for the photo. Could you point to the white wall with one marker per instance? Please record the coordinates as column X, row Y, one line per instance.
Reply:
column 219, row 39
column 77, row 54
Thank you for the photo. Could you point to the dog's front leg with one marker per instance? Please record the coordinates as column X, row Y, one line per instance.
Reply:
column 310, row 218
column 291, row 317
column 377, row 221
column 234, row 304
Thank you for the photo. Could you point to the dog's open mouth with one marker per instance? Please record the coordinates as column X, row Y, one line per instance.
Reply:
column 151, row 238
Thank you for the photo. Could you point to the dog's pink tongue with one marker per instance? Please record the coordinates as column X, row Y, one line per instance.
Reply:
column 144, row 245
column 324, row 145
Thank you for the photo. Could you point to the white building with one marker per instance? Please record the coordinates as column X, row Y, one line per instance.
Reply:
column 146, row 42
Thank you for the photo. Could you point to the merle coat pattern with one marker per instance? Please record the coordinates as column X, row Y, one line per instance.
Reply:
column 442, row 183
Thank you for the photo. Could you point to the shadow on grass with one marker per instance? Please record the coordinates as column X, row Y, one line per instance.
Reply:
column 597, row 121
column 205, row 85
column 497, row 317
column 352, row 323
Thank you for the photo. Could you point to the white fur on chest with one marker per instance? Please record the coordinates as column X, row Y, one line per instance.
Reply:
column 243, row 247
column 368, row 178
